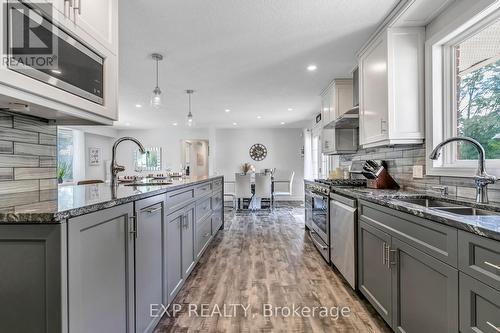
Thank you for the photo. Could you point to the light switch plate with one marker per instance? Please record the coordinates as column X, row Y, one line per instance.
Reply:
column 418, row 171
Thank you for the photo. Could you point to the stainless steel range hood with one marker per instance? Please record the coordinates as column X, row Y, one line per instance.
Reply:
column 350, row 119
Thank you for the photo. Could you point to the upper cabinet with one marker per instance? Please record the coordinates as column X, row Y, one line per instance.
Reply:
column 83, row 88
column 336, row 99
column 391, row 88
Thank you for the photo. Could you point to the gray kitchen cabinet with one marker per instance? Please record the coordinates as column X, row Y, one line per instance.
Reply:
column 101, row 271
column 32, row 287
column 424, row 291
column 188, row 241
column 203, row 235
column 479, row 306
column 174, row 253
column 150, row 261
column 374, row 275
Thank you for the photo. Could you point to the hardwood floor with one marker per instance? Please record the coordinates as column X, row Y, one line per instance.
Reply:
column 266, row 258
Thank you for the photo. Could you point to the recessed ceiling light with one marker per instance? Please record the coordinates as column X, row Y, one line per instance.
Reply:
column 290, row 109
column 283, row 123
column 175, row 124
column 138, row 106
column 127, row 124
column 227, row 110
column 259, row 117
column 312, row 68
column 234, row 124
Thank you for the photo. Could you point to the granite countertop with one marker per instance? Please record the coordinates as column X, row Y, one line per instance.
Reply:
column 54, row 206
column 483, row 225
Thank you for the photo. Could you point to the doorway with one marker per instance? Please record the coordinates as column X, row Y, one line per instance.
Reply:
column 195, row 157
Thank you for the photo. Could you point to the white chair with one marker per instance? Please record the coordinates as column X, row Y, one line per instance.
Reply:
column 229, row 193
column 242, row 188
column 289, row 191
column 263, row 187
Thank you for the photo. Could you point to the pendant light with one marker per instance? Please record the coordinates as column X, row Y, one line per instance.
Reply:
column 156, row 100
column 189, row 119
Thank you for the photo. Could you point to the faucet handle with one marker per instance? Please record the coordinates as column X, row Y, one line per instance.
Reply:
column 484, row 180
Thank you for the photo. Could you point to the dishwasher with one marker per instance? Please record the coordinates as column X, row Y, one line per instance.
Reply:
column 343, row 211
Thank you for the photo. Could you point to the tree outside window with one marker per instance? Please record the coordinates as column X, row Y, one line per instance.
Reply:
column 478, row 92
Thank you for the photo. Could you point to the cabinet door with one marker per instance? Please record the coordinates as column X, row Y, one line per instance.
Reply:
column 188, row 241
column 425, row 291
column 173, row 253
column 374, row 93
column 479, row 306
column 99, row 18
column 101, row 271
column 150, row 281
column 374, row 275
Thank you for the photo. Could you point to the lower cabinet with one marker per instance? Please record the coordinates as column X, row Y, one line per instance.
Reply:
column 424, row 291
column 101, row 271
column 150, row 261
column 374, row 275
column 203, row 235
column 479, row 306
column 187, row 240
column 411, row 290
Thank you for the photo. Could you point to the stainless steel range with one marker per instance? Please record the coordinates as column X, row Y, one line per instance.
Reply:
column 317, row 211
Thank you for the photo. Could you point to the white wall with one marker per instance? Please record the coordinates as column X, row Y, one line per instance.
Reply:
column 169, row 139
column 97, row 141
column 283, row 152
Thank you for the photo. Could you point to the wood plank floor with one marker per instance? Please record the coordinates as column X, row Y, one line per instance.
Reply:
column 266, row 258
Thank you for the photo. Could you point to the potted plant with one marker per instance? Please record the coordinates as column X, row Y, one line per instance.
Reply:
column 62, row 170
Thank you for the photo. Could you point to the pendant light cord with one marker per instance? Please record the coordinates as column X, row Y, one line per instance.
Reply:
column 157, row 73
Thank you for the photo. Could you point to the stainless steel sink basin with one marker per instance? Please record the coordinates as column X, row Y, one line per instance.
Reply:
column 148, row 184
column 426, row 202
column 467, row 211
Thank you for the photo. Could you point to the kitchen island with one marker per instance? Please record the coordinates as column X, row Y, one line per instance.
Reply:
column 134, row 244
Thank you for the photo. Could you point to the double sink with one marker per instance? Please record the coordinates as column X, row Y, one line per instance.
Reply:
column 445, row 206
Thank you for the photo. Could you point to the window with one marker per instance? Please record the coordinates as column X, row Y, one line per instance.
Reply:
column 463, row 89
column 315, row 156
column 151, row 161
column 477, row 96
column 65, row 152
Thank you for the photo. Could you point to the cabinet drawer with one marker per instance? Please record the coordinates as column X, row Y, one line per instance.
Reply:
column 203, row 235
column 479, row 306
column 179, row 198
column 437, row 240
column 217, row 185
column 479, row 257
column 217, row 201
column 202, row 190
column 203, row 208
column 216, row 221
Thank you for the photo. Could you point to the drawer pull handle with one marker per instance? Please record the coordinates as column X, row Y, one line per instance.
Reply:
column 493, row 326
column 152, row 210
column 492, row 265
column 322, row 247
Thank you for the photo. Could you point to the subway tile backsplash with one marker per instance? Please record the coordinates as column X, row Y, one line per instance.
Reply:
column 28, row 161
column 400, row 161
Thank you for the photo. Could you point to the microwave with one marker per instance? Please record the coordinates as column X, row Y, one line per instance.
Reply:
column 42, row 50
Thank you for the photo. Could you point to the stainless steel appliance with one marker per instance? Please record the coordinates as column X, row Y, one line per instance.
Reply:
column 343, row 218
column 40, row 49
column 317, row 206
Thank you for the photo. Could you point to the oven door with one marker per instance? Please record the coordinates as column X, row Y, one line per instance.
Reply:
column 319, row 212
column 41, row 50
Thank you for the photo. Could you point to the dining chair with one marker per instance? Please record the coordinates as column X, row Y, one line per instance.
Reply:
column 230, row 193
column 242, row 187
column 289, row 191
column 263, row 189
column 90, row 181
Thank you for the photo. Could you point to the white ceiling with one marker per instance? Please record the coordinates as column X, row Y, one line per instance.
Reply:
column 249, row 56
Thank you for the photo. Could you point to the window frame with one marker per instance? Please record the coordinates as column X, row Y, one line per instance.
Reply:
column 441, row 106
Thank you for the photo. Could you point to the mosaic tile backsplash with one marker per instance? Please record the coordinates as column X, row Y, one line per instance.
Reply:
column 28, row 159
column 400, row 161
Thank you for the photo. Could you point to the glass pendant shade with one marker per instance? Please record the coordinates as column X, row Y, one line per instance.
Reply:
column 156, row 100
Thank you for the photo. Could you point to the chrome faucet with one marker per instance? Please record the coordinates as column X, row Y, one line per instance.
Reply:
column 115, row 167
column 482, row 179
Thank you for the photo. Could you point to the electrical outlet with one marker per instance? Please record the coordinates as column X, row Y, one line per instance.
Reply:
column 418, row 171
